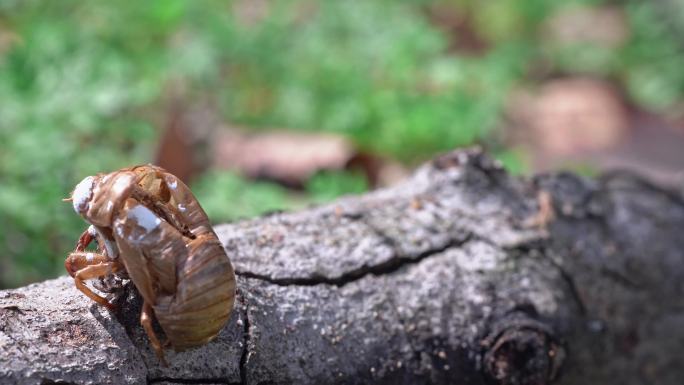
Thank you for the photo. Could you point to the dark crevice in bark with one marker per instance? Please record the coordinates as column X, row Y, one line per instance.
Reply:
column 245, row 341
column 388, row 267
column 189, row 380
column 127, row 303
column 386, row 239
column 572, row 287
column 621, row 279
column 47, row 381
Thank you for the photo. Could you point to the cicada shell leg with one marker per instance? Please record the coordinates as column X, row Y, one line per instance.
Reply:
column 146, row 322
column 85, row 239
column 94, row 271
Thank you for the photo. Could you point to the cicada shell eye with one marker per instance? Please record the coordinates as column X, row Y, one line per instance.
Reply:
column 83, row 194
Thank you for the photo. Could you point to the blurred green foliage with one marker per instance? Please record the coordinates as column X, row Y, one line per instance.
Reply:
column 83, row 86
column 246, row 198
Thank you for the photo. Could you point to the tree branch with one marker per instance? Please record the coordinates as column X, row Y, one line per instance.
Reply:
column 461, row 274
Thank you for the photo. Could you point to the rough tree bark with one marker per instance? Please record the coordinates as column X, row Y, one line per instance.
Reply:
column 460, row 275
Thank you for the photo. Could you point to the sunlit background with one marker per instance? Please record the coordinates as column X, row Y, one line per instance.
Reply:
column 275, row 105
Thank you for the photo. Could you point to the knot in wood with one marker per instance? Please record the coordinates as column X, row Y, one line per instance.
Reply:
column 522, row 351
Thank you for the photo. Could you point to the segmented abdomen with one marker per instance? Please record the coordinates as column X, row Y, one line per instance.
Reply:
column 204, row 297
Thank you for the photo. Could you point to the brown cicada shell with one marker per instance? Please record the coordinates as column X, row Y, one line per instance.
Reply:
column 151, row 229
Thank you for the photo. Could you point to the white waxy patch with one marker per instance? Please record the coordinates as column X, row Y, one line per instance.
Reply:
column 82, row 194
column 90, row 257
column 145, row 218
column 119, row 231
column 112, row 251
column 172, row 183
column 92, row 230
column 181, row 207
column 122, row 182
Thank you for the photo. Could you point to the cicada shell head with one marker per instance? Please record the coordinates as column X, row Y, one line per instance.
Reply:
column 95, row 197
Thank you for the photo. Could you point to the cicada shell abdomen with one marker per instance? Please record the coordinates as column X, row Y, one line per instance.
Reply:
column 204, row 296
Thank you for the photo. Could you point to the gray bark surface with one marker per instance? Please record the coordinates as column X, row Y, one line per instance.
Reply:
column 460, row 275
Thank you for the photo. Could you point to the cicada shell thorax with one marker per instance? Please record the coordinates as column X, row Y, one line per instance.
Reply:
column 175, row 199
